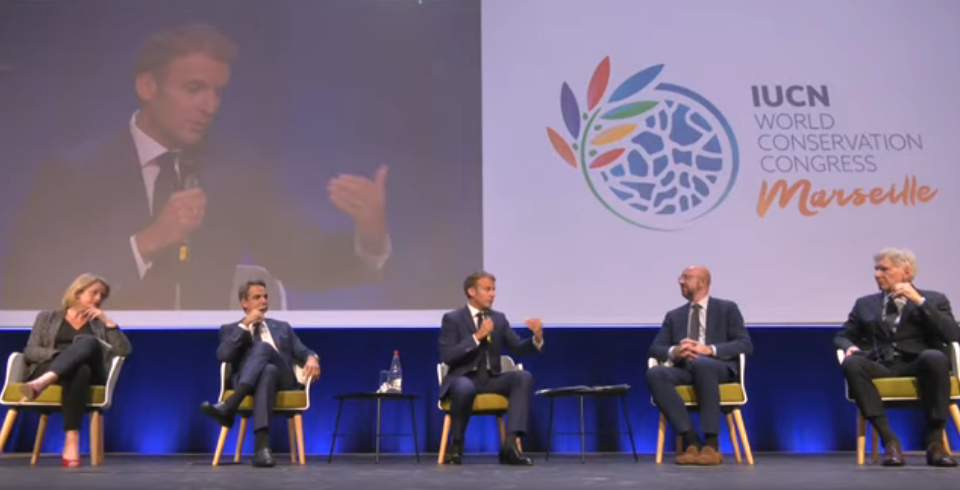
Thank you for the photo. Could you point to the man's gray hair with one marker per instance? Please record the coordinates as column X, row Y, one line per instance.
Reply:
column 899, row 257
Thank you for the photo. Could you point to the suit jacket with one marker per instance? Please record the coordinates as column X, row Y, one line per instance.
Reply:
column 725, row 330
column 460, row 352
column 235, row 342
column 40, row 345
column 88, row 202
column 928, row 326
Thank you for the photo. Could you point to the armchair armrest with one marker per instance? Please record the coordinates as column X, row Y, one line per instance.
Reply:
column 16, row 371
column 115, row 365
column 16, row 368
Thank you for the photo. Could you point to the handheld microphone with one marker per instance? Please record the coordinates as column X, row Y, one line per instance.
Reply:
column 485, row 314
column 188, row 180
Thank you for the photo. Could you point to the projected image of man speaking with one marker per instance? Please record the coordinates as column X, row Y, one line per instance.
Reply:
column 167, row 211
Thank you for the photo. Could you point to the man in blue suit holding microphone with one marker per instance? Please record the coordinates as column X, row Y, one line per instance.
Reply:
column 471, row 341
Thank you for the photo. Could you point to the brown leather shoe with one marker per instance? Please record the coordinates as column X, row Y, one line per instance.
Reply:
column 893, row 455
column 937, row 456
column 709, row 457
column 689, row 456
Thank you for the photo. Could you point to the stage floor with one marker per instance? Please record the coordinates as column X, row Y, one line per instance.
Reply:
column 395, row 472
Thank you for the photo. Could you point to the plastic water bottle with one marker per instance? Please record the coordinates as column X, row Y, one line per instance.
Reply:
column 396, row 373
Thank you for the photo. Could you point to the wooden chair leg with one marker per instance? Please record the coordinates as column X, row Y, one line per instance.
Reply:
column 875, row 444
column 220, row 442
column 861, row 437
column 946, row 443
column 8, row 422
column 240, row 435
column 37, row 442
column 301, row 449
column 93, row 438
column 443, row 438
column 733, row 437
column 955, row 413
column 743, row 435
column 101, row 450
column 292, row 433
column 661, row 435
column 503, row 429
column 96, row 438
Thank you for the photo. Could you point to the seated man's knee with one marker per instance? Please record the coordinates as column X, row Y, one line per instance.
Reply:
column 462, row 387
column 261, row 348
column 269, row 371
column 853, row 364
column 656, row 373
column 704, row 364
column 524, row 378
column 934, row 359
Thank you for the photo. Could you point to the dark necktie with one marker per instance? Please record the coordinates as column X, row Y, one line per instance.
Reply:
column 891, row 313
column 258, row 332
column 161, row 280
column 483, row 373
column 693, row 326
column 167, row 181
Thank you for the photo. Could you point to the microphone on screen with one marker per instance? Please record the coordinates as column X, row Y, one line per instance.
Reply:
column 188, row 180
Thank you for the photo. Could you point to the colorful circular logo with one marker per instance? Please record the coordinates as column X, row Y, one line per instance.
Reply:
column 655, row 154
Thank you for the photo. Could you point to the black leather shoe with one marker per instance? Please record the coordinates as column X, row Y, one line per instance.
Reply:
column 218, row 412
column 893, row 455
column 937, row 456
column 513, row 457
column 454, row 453
column 263, row 458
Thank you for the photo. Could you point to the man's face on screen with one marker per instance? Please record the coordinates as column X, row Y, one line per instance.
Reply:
column 483, row 294
column 889, row 275
column 179, row 102
column 256, row 299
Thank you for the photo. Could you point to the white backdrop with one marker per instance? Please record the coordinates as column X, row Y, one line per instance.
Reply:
column 889, row 76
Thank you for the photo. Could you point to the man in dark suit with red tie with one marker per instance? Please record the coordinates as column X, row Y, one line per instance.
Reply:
column 900, row 331
column 699, row 344
column 472, row 339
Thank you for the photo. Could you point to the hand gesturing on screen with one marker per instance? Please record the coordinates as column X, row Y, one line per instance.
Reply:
column 364, row 200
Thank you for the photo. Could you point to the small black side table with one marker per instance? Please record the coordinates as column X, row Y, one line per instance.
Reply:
column 581, row 392
column 379, row 397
